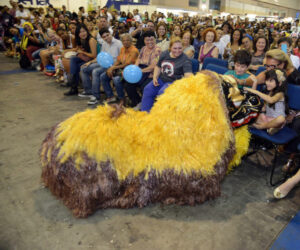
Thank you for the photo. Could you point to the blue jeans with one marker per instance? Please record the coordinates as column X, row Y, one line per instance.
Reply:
column 86, row 76
column 117, row 80
column 36, row 54
column 75, row 64
column 151, row 92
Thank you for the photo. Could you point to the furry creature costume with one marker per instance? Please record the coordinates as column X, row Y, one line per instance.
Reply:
column 177, row 153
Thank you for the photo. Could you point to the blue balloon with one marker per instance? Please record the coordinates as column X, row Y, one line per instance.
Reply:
column 132, row 73
column 105, row 60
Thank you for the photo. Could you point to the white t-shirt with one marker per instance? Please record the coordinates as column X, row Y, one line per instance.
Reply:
column 225, row 39
column 109, row 16
column 221, row 46
column 137, row 18
column 295, row 60
column 22, row 14
column 113, row 49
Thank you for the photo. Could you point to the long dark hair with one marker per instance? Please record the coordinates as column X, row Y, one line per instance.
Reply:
column 281, row 86
column 83, row 43
column 241, row 36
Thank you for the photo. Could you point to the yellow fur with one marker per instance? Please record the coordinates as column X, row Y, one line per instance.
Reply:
column 186, row 130
column 242, row 139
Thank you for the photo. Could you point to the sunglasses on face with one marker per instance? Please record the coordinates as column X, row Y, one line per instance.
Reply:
column 271, row 66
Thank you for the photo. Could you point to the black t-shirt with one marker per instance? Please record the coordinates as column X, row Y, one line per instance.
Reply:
column 173, row 69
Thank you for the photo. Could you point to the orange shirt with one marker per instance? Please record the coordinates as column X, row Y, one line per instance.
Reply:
column 128, row 56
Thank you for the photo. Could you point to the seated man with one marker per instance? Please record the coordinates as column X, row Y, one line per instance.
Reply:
column 128, row 55
column 91, row 87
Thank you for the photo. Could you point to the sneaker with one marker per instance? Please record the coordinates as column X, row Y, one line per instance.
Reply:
column 85, row 94
column 93, row 101
column 111, row 100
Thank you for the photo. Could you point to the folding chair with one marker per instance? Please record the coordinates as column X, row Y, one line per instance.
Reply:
column 285, row 135
column 217, row 68
column 212, row 60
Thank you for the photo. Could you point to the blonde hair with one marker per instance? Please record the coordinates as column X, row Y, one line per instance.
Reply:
column 175, row 39
column 280, row 56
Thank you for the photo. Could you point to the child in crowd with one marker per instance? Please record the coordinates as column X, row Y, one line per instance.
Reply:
column 273, row 116
column 242, row 60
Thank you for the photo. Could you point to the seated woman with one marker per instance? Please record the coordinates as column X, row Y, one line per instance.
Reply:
column 275, row 58
column 86, row 50
column 147, row 60
column 247, row 43
column 187, row 40
column 208, row 49
column 162, row 40
column 172, row 65
column 65, row 42
column 233, row 46
column 53, row 47
column 260, row 49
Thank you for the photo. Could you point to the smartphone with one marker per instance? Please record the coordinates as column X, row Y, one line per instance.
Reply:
column 284, row 48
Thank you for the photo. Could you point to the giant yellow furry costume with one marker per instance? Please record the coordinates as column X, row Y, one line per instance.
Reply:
column 178, row 153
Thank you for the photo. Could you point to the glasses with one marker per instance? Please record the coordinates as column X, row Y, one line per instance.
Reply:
column 271, row 66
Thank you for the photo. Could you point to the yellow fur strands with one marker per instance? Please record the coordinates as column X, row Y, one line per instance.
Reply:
column 242, row 140
column 187, row 130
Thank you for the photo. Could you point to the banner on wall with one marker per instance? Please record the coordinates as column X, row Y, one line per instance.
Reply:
column 36, row 2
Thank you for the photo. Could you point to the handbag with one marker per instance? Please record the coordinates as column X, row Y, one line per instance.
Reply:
column 84, row 57
column 145, row 75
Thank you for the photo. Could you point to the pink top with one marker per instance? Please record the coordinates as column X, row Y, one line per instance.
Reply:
column 208, row 54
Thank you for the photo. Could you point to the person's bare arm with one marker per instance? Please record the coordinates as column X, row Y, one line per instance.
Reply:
column 215, row 52
column 269, row 99
column 156, row 74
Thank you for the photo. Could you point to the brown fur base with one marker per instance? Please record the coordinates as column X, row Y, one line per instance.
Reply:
column 97, row 186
